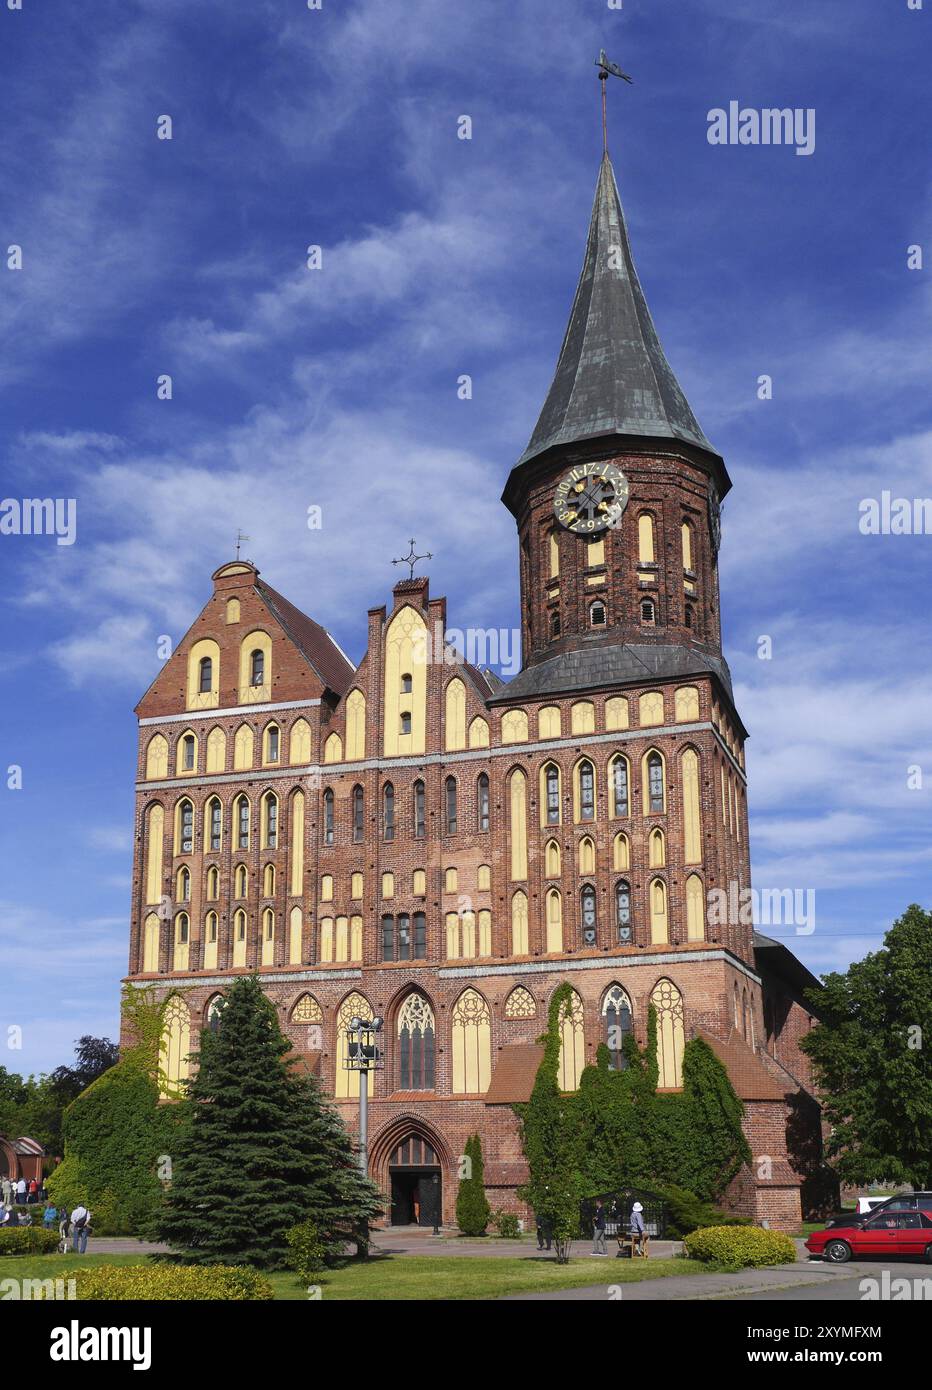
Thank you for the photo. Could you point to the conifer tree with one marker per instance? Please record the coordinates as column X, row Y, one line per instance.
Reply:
column 472, row 1206
column 261, row 1150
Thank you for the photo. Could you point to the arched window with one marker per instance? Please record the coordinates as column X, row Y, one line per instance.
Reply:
column 646, row 554
column 420, row 815
column 405, row 724
column 240, row 881
column 328, row 816
column 184, row 884
column 588, row 914
column 616, row 1011
column 213, row 883
column 151, row 944
column 554, row 921
column 519, row 933
column 157, row 757
column 359, row 817
column 450, row 798
column 174, row 1048
column 656, row 849
column 185, row 828
column 695, row 909
column 686, row 537
column 484, row 877
column 620, row 802
column 514, row 726
column 239, row 938
column 299, row 743
column 517, row 787
column 205, row 675
column 182, row 941
column 647, row 610
column 520, row 1004
column 307, row 1010
column 482, row 801
column 268, row 937
column 552, row 792
column 268, row 881
column 572, row 1043
column 659, row 926
column 655, row 789
column 548, row 722
column 597, row 614
column 214, row 1011
column 471, row 1044
column 621, row 852
column 188, row 753
column 242, row 822
column 415, row 1045
column 479, row 733
column 215, row 822
column 688, row 617
column 232, row 610
column 623, row 910
column 270, row 821
column 272, row 743
column 586, row 855
column 668, row 1003
column 211, row 935
column 552, row 859
column 555, row 623
column 586, row 774
column 243, row 748
column 406, row 686
column 346, row 1082
column 388, row 811
column 257, row 667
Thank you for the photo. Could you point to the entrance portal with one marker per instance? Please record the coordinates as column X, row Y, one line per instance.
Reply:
column 416, row 1184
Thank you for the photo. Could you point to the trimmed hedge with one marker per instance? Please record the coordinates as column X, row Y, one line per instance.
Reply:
column 27, row 1240
column 165, row 1282
column 740, row 1247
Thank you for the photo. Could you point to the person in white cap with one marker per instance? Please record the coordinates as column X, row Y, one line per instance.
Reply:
column 637, row 1224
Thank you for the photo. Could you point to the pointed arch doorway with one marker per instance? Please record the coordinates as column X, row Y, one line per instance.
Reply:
column 416, row 1183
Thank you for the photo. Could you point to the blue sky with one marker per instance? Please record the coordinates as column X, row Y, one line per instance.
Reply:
column 442, row 256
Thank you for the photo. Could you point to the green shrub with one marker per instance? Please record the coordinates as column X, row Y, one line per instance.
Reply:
column 740, row 1247
column 686, row 1212
column 27, row 1240
column 507, row 1225
column 308, row 1249
column 178, row 1283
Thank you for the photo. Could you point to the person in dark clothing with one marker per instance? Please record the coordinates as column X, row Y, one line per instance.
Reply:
column 544, row 1232
column 598, row 1229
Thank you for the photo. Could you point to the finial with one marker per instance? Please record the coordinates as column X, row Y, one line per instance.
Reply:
column 605, row 69
column 411, row 559
column 240, row 537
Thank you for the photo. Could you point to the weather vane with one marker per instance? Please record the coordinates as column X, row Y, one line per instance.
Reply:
column 605, row 69
column 240, row 537
column 411, row 559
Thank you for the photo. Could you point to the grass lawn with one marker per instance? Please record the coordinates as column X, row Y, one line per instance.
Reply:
column 390, row 1277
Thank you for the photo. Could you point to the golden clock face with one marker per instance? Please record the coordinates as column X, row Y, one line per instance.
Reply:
column 591, row 498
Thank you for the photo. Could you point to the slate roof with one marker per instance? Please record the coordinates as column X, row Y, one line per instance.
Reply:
column 612, row 376
column 609, row 664
column 332, row 666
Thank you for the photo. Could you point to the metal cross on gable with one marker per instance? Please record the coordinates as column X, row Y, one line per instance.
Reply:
column 411, row 559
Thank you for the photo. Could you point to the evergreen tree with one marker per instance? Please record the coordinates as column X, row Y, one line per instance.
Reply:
column 261, row 1151
column 873, row 1061
column 472, row 1207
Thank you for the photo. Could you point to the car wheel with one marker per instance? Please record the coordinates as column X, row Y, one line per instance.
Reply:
column 838, row 1251
column 928, row 1254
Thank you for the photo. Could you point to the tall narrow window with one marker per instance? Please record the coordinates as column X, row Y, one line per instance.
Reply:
column 553, row 795
column 686, row 536
column 623, row 910
column 184, row 884
column 586, row 791
column 272, row 743
column 388, row 811
column 647, row 610
column 271, row 821
column 616, row 1011
column 187, row 827
column 597, row 615
column 205, row 675
column 419, row 941
column 655, row 782
column 359, row 824
column 555, row 623
column 405, row 723
column 416, row 1045
column 451, row 805
column 188, row 747
column 620, row 786
column 588, row 913
column 257, row 667
column 482, row 801
column 419, row 813
column 406, row 686
column 216, row 822
column 328, row 817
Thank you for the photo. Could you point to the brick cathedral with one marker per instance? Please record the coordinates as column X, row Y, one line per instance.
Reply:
column 413, row 839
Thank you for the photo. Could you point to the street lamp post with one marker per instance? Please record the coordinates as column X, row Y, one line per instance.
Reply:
column 363, row 1054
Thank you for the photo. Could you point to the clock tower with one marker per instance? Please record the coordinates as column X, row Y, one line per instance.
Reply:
column 617, row 494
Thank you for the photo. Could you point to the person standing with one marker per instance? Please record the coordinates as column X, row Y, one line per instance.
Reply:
column 21, row 1192
column 598, row 1229
column 80, row 1221
column 64, row 1231
column 6, row 1187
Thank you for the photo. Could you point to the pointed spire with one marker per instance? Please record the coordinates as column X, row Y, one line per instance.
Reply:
column 612, row 376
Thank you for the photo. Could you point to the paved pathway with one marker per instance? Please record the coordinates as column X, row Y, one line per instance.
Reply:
column 401, row 1241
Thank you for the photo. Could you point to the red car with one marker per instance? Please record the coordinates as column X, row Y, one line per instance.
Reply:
column 907, row 1233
